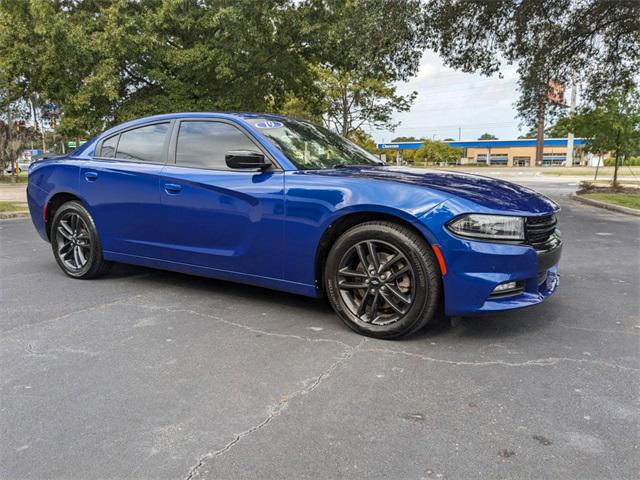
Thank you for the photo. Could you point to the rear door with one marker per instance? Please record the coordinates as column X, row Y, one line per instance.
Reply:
column 121, row 186
column 213, row 216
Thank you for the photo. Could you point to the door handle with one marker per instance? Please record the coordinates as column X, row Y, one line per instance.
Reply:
column 91, row 176
column 172, row 188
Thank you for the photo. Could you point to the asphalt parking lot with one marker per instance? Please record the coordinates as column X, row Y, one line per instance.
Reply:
column 149, row 374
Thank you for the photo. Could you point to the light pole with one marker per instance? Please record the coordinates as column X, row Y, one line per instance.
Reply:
column 572, row 109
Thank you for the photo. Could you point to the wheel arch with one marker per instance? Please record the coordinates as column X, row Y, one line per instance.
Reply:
column 344, row 222
column 55, row 202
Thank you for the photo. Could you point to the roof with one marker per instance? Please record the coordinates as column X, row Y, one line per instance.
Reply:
column 520, row 142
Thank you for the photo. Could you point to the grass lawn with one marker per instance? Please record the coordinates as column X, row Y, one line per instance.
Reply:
column 630, row 200
column 603, row 172
column 22, row 178
column 13, row 207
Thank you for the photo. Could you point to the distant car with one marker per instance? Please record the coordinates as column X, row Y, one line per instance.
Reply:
column 285, row 204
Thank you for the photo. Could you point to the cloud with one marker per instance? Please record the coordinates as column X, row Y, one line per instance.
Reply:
column 449, row 100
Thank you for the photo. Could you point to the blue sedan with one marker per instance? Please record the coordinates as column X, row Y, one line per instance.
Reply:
column 285, row 204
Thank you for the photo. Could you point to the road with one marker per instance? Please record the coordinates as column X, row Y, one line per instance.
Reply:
column 149, row 374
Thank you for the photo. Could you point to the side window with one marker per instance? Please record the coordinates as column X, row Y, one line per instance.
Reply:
column 108, row 149
column 205, row 144
column 143, row 144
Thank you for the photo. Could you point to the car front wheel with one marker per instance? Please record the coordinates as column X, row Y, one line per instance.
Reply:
column 382, row 279
column 75, row 242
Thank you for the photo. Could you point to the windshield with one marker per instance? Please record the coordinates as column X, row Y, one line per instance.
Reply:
column 311, row 147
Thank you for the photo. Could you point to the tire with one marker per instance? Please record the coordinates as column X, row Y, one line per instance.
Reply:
column 75, row 242
column 405, row 287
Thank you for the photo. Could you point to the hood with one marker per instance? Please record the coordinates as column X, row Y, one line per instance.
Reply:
column 488, row 192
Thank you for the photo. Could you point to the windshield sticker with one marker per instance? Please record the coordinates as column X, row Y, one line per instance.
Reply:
column 268, row 124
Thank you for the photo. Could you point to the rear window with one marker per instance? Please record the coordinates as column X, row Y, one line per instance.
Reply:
column 143, row 144
column 108, row 149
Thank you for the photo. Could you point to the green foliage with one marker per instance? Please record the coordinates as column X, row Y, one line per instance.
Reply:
column 599, row 40
column 12, row 207
column 611, row 125
column 309, row 108
column 379, row 39
column 560, row 129
column 106, row 61
column 405, row 139
column 353, row 102
column 487, row 136
column 364, row 140
column 14, row 136
column 434, row 151
column 629, row 161
column 532, row 133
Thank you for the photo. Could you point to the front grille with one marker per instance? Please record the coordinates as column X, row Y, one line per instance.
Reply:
column 540, row 229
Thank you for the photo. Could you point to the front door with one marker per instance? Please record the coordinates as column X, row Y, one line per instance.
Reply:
column 215, row 217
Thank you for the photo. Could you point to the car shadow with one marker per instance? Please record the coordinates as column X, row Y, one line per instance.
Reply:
column 232, row 290
column 503, row 325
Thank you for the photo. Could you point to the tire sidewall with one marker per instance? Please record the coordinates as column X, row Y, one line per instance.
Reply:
column 425, row 288
column 95, row 258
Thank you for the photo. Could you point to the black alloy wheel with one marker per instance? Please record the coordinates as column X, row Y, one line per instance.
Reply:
column 75, row 242
column 382, row 279
column 376, row 282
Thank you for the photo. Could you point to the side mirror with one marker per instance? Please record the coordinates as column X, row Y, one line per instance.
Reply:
column 245, row 160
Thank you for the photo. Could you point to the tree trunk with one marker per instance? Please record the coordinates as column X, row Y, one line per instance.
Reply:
column 615, row 166
column 10, row 149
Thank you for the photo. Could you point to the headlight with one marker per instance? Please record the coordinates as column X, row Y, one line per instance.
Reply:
column 488, row 227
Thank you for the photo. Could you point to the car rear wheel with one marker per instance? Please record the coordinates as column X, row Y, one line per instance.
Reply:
column 75, row 242
column 382, row 280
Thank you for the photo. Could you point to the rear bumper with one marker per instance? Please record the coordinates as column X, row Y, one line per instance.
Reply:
column 36, row 199
column 474, row 269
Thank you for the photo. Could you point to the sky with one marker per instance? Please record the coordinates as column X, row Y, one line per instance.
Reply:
column 449, row 99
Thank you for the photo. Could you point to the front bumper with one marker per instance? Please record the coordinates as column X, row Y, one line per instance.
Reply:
column 475, row 268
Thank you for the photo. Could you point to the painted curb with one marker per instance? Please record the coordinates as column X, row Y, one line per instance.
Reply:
column 606, row 206
column 6, row 215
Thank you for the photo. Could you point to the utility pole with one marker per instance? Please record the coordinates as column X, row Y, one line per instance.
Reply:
column 459, row 133
column 572, row 109
column 10, row 149
column 540, row 132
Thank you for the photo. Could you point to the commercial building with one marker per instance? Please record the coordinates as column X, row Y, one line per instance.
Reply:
column 508, row 153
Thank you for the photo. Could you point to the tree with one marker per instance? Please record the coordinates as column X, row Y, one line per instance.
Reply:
column 366, row 38
column 560, row 129
column 552, row 40
column 487, row 136
column 13, row 140
column 106, row 61
column 611, row 125
column 364, row 140
column 435, row 151
column 360, row 49
column 353, row 102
